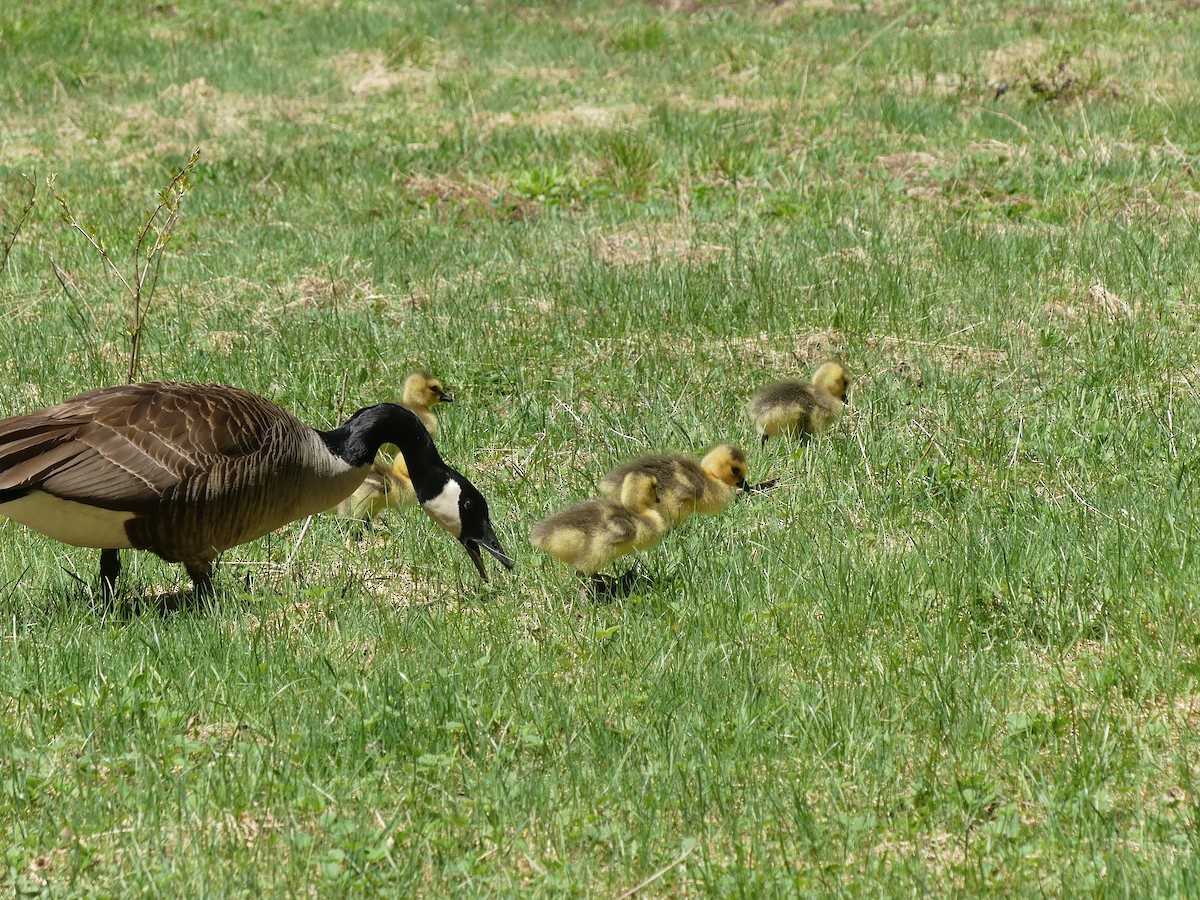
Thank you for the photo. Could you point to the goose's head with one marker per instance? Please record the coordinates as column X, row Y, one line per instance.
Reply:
column 832, row 378
column 424, row 391
column 461, row 509
column 443, row 492
column 726, row 463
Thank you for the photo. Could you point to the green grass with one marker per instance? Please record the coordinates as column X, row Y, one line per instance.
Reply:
column 956, row 651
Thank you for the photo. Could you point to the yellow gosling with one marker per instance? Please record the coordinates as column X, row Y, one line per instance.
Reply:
column 388, row 484
column 589, row 536
column 798, row 409
column 685, row 486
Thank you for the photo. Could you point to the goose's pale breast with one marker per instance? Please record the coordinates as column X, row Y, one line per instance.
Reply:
column 70, row 522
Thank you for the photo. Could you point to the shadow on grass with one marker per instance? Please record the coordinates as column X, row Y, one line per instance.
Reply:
column 636, row 581
column 128, row 602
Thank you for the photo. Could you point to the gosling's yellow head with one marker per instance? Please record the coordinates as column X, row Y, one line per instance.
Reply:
column 422, row 391
column 639, row 491
column 832, row 378
column 726, row 463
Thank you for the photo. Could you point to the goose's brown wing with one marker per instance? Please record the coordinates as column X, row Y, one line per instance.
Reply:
column 127, row 447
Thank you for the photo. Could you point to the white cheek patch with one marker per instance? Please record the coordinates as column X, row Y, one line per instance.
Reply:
column 443, row 508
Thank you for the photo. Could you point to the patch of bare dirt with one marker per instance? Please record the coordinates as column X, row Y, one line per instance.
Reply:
column 785, row 356
column 43, row 866
column 670, row 240
column 224, row 341
column 1040, row 69
column 455, row 198
column 207, row 732
column 583, row 116
column 774, row 10
column 314, row 290
column 1094, row 302
column 942, row 851
column 368, row 73
column 1010, row 62
column 556, row 75
column 940, row 84
column 730, row 103
column 436, row 187
column 181, row 114
column 247, row 827
column 16, row 146
column 944, row 353
column 916, row 169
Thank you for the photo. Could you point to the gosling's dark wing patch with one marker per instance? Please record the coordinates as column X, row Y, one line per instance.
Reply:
column 781, row 393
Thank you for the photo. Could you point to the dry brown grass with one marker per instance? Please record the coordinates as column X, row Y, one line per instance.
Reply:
column 778, row 354
column 318, row 290
column 771, row 10
column 368, row 72
column 1088, row 303
column 665, row 241
column 585, row 117
column 1049, row 72
column 916, row 169
column 946, row 354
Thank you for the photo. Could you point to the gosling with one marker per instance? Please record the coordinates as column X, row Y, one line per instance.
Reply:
column 798, row 409
column 388, row 483
column 685, row 486
column 593, row 534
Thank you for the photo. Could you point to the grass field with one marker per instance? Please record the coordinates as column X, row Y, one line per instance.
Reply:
column 957, row 650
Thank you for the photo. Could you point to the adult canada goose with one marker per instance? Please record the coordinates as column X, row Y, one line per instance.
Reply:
column 795, row 408
column 188, row 470
column 388, row 483
column 684, row 485
column 590, row 535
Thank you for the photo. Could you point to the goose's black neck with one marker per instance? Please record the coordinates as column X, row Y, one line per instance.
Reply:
column 359, row 438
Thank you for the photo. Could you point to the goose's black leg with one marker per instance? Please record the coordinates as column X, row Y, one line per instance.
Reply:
column 764, row 441
column 110, row 569
column 201, row 575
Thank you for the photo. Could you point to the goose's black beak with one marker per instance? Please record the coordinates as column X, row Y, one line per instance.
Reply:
column 445, row 397
column 742, row 486
column 487, row 541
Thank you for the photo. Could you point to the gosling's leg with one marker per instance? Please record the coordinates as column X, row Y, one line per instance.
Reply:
column 110, row 569
column 592, row 587
column 762, row 487
column 606, row 588
column 201, row 575
column 627, row 582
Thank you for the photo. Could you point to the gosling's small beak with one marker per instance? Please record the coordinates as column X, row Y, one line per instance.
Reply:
column 488, row 541
column 742, row 485
column 445, row 397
